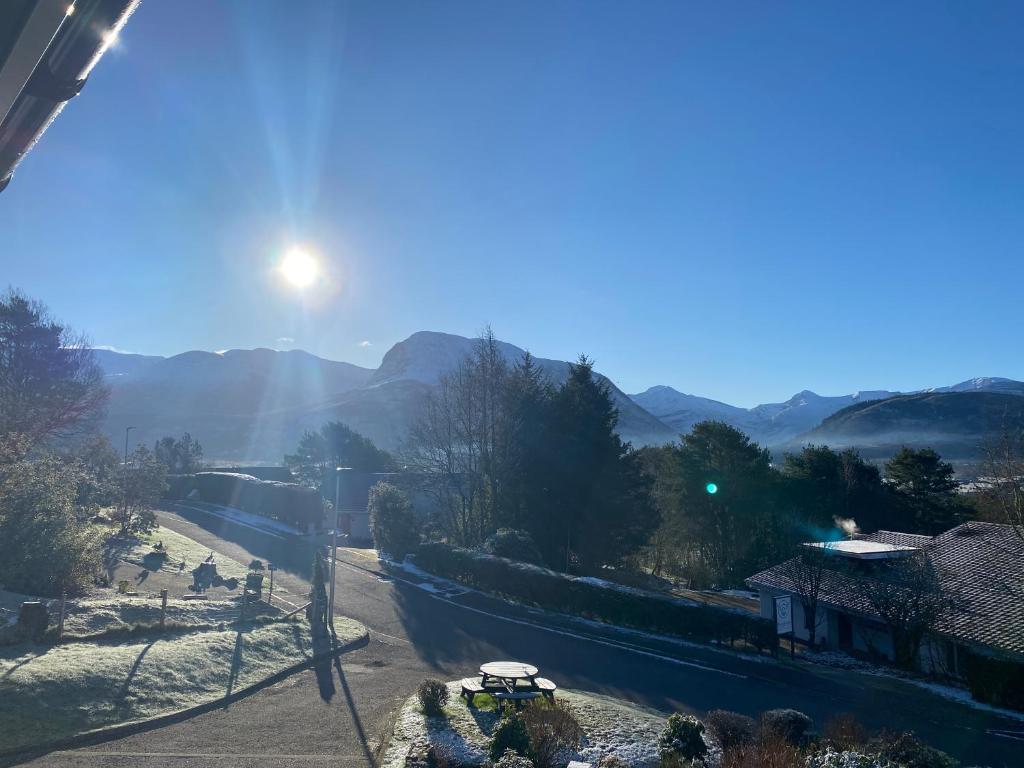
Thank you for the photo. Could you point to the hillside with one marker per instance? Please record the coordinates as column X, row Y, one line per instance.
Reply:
column 955, row 423
column 768, row 424
column 253, row 405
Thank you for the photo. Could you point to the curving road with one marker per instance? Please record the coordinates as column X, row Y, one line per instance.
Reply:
column 339, row 716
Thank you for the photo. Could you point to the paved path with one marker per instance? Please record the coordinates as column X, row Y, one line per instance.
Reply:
column 340, row 718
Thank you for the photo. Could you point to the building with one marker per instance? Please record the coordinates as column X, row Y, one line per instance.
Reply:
column 979, row 567
column 47, row 50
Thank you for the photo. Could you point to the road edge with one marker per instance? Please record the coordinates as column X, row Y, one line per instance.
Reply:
column 100, row 735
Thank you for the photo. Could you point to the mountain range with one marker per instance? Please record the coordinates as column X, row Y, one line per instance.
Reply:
column 253, row 405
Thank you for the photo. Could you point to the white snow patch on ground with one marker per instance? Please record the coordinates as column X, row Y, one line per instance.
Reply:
column 610, row 727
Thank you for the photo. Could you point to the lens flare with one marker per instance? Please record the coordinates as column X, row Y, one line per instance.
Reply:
column 711, row 488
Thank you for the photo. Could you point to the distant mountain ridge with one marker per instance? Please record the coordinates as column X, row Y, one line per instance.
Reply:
column 253, row 405
column 781, row 424
column 769, row 423
column 955, row 422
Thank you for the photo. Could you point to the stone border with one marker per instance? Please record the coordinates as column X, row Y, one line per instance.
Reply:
column 100, row 735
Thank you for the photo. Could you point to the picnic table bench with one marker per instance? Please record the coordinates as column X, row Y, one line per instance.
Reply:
column 508, row 681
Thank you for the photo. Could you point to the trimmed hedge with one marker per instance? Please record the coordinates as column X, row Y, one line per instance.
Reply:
column 288, row 502
column 995, row 681
column 593, row 598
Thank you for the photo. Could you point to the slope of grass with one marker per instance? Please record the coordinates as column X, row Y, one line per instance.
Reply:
column 180, row 549
column 53, row 693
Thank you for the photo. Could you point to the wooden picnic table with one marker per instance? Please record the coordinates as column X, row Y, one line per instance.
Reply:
column 509, row 673
column 502, row 680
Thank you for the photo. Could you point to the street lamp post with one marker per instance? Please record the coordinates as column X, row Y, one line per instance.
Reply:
column 334, row 544
column 124, row 497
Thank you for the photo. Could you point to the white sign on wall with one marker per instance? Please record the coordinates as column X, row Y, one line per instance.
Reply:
column 784, row 615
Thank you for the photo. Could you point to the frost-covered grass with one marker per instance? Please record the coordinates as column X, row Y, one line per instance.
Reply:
column 93, row 615
column 56, row 692
column 610, row 727
column 180, row 549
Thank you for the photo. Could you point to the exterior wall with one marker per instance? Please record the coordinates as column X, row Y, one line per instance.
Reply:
column 870, row 638
column 800, row 630
column 356, row 525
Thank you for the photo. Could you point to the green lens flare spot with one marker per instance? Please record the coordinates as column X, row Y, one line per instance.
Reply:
column 711, row 488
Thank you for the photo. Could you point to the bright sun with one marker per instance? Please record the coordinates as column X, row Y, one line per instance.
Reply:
column 299, row 268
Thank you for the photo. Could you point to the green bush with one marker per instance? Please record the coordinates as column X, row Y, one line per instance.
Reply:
column 288, row 502
column 510, row 733
column 513, row 544
column 433, row 695
column 614, row 604
column 731, row 729
column 394, row 527
column 908, row 751
column 788, row 724
column 995, row 681
column 683, row 737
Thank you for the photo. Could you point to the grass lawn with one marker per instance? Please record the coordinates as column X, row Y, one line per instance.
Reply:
column 180, row 549
column 88, row 616
column 52, row 693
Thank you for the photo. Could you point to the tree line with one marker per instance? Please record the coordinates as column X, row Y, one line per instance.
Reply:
column 500, row 448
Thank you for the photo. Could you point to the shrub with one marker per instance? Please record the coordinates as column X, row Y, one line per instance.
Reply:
column 995, row 681
column 788, row 724
column 433, row 695
column 513, row 544
column 511, row 760
column 910, row 752
column 392, row 522
column 510, row 733
column 288, row 502
column 769, row 751
column 684, row 737
column 844, row 732
column 552, row 729
column 832, row 758
column 731, row 729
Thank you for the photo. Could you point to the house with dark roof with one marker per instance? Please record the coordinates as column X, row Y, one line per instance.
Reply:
column 978, row 566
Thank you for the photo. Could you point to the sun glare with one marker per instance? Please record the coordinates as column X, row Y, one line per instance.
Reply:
column 299, row 268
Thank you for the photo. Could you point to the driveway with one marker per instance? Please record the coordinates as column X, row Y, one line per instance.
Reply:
column 341, row 716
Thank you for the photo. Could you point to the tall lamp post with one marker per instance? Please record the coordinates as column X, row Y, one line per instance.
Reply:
column 124, row 497
column 334, row 543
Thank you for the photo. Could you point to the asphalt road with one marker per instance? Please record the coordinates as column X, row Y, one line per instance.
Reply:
column 340, row 715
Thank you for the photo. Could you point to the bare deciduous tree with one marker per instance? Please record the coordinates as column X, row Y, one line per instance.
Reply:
column 458, row 443
column 807, row 572
column 1004, row 468
column 908, row 596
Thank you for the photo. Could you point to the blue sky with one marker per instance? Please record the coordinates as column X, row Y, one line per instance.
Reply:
column 740, row 200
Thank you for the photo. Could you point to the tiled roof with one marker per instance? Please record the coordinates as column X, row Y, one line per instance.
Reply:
column 897, row 538
column 981, row 565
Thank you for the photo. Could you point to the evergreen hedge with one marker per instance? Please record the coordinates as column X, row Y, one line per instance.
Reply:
column 593, row 598
column 995, row 681
column 288, row 502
